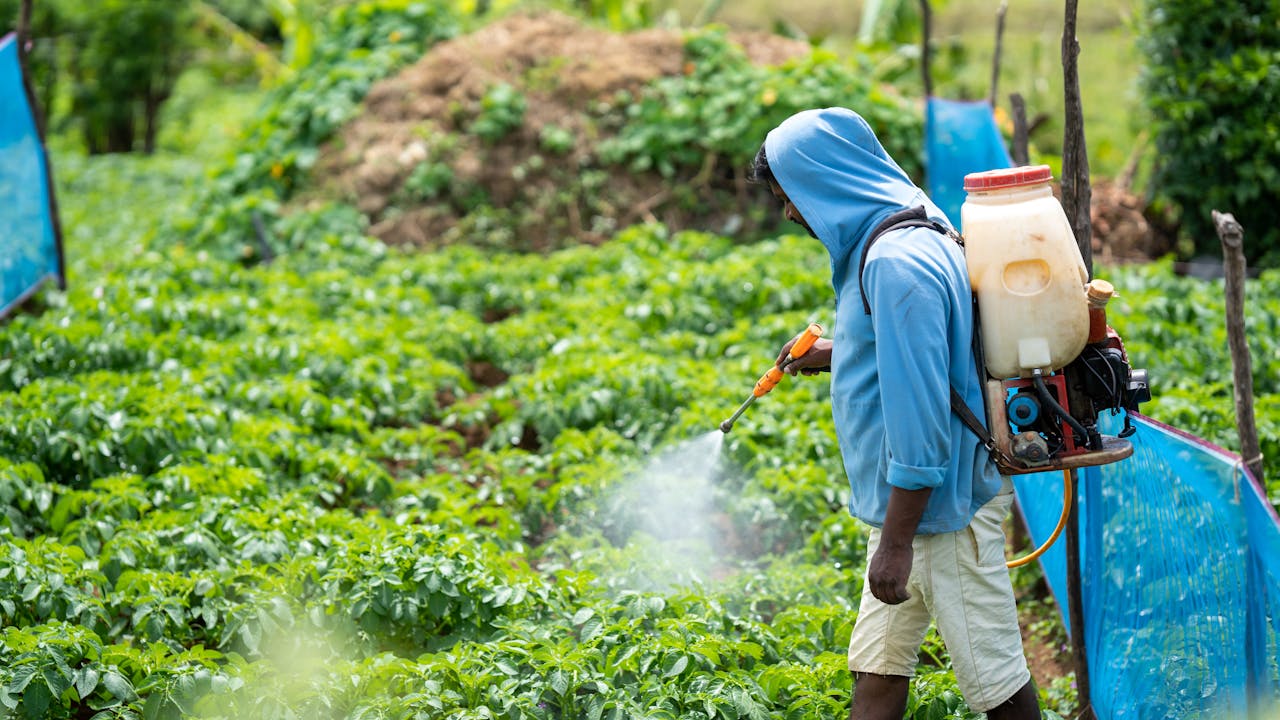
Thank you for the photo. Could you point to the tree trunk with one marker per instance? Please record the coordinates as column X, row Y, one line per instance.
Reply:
column 995, row 61
column 926, row 19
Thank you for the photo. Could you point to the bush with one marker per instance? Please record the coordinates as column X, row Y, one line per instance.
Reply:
column 1212, row 81
column 359, row 44
column 723, row 107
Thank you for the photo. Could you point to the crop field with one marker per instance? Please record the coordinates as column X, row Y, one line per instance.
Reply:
column 319, row 473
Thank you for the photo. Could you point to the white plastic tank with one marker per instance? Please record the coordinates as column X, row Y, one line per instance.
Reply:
column 1026, row 271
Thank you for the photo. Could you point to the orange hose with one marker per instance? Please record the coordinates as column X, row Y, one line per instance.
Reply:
column 1067, row 490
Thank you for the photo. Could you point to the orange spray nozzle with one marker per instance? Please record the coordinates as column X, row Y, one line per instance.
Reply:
column 771, row 378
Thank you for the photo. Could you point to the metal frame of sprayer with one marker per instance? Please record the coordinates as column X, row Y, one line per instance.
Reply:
column 1049, row 422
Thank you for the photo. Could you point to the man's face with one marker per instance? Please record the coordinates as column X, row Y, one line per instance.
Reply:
column 789, row 209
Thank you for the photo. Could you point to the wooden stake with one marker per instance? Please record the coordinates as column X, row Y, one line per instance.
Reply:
column 995, row 61
column 1076, row 196
column 1232, row 237
column 1075, row 606
column 1021, row 142
column 1076, row 193
column 926, row 20
column 24, row 39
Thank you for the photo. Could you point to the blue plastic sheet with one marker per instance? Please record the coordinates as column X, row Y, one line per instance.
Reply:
column 28, row 247
column 1180, row 554
column 961, row 137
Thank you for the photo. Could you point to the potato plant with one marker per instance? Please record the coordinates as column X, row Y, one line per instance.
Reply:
column 350, row 480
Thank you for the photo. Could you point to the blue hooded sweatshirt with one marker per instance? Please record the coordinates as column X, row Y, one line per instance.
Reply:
column 890, row 371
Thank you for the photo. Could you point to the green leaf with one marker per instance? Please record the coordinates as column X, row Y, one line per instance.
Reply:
column 30, row 592
column 56, row 681
column 21, row 677
column 119, row 686
column 36, row 699
column 592, row 628
column 559, row 682
column 86, row 681
column 675, row 666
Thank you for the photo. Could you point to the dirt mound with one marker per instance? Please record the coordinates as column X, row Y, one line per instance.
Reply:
column 417, row 161
column 1122, row 233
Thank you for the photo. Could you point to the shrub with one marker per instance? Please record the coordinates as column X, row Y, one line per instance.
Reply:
column 1212, row 81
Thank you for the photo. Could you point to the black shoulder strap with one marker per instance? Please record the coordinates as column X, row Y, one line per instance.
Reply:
column 909, row 218
column 971, row 421
column 916, row 217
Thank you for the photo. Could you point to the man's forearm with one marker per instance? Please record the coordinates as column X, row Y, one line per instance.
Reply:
column 902, row 516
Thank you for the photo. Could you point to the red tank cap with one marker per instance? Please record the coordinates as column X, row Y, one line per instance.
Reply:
column 1007, row 178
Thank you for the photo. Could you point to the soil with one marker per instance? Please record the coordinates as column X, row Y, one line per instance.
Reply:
column 568, row 73
column 1122, row 230
column 1046, row 658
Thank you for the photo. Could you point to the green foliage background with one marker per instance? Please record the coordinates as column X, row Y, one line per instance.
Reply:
column 115, row 60
column 239, row 488
column 1212, row 83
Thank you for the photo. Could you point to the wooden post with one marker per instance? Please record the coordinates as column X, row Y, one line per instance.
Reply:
column 1021, row 133
column 1232, row 237
column 995, row 61
column 1075, row 606
column 24, row 39
column 926, row 20
column 1076, row 193
column 23, row 32
column 1076, row 197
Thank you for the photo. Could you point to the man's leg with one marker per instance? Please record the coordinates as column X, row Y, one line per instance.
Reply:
column 1024, row 705
column 979, row 622
column 884, row 647
column 878, row 697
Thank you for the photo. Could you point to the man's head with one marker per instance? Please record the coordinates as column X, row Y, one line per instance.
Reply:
column 834, row 178
column 762, row 175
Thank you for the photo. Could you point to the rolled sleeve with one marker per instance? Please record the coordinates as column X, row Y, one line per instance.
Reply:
column 914, row 477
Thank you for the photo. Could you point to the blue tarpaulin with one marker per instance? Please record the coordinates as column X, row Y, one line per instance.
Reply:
column 29, row 248
column 1180, row 555
column 961, row 137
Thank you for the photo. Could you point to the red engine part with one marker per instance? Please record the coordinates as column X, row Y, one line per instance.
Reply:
column 1057, row 384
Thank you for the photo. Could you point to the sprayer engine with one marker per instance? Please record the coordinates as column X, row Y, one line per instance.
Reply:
column 1052, row 420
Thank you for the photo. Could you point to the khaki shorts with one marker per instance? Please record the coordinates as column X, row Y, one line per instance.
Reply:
column 960, row 580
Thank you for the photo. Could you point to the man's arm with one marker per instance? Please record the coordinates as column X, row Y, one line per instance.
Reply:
column 910, row 308
column 891, row 566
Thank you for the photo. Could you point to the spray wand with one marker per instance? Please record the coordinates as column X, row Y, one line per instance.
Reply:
column 771, row 378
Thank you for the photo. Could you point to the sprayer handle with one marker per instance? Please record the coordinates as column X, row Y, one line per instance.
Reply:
column 806, row 340
column 798, row 348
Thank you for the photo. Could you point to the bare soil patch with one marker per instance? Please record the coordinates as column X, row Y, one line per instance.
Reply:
column 568, row 75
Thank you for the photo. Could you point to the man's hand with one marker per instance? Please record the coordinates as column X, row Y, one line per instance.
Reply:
column 890, row 567
column 887, row 575
column 817, row 360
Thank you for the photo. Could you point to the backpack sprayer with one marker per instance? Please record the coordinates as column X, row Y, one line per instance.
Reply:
column 1049, row 362
column 1053, row 366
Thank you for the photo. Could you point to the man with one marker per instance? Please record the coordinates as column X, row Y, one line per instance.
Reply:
column 917, row 474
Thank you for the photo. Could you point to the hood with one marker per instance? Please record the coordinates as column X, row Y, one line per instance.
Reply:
column 832, row 167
